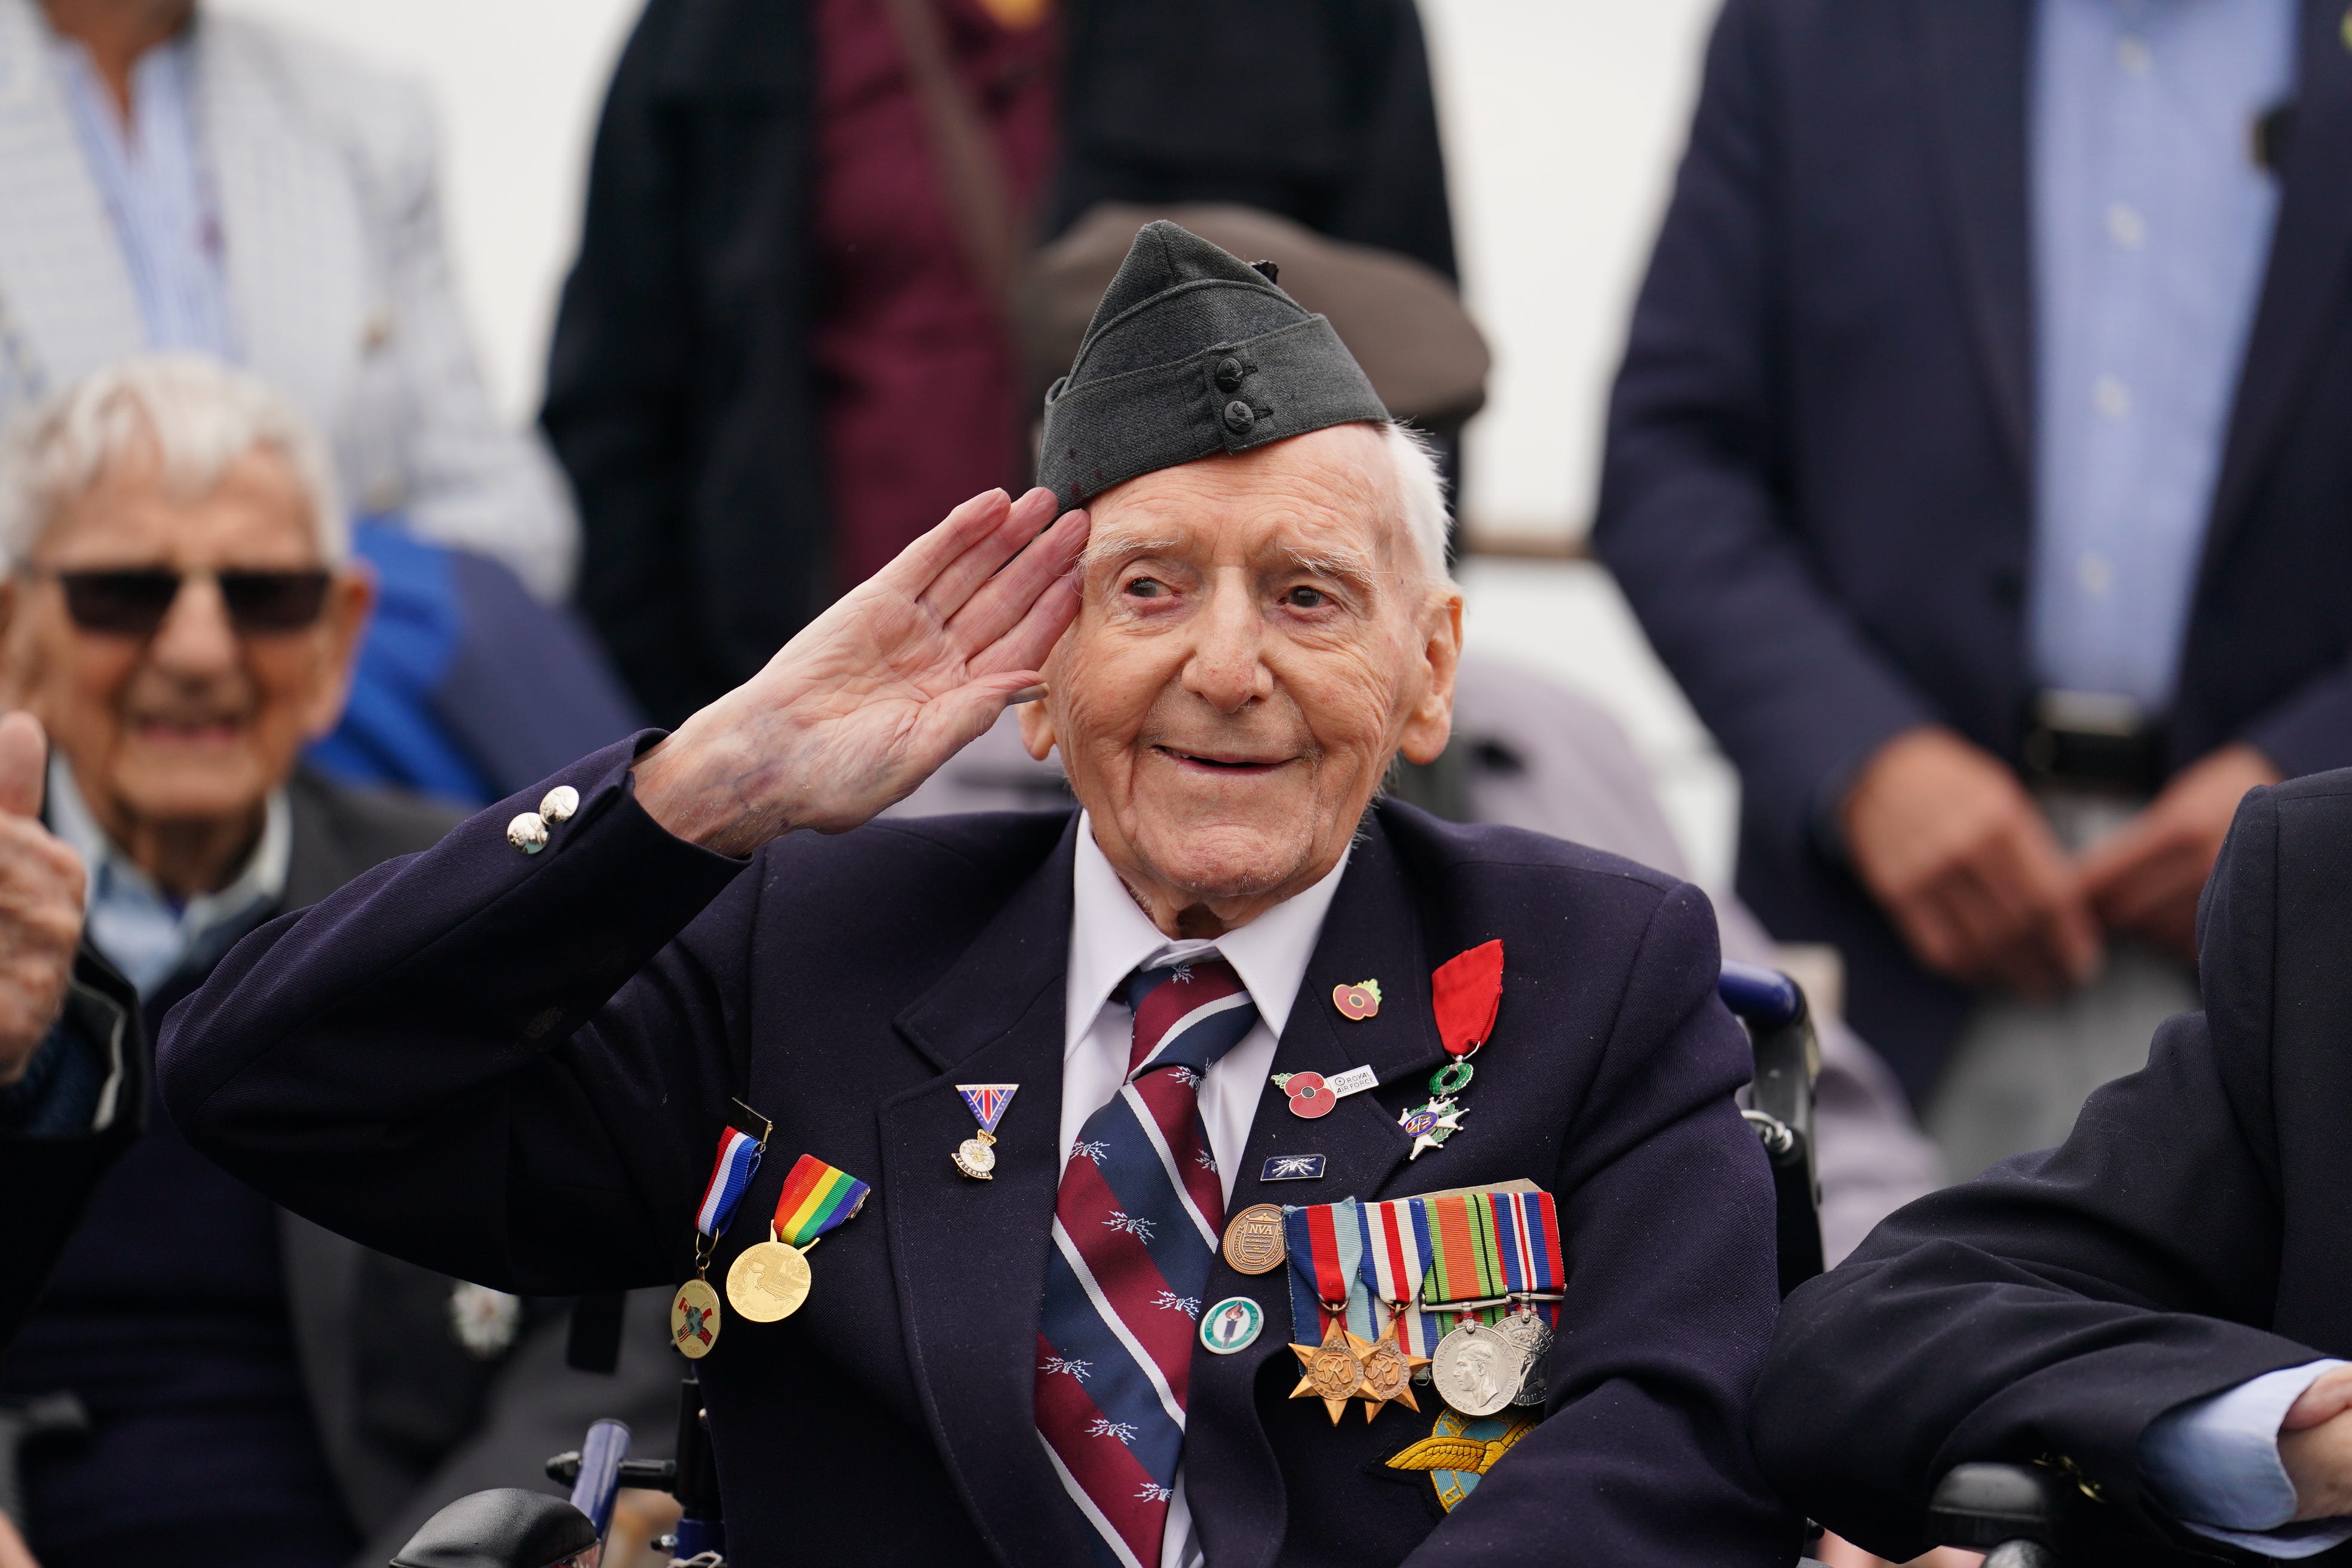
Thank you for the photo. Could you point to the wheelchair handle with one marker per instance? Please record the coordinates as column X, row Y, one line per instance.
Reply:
column 1761, row 997
column 599, row 1472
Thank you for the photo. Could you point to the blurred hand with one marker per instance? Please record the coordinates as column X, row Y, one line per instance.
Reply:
column 898, row 675
column 14, row 1552
column 2316, row 1446
column 2144, row 877
column 1959, row 857
column 41, row 884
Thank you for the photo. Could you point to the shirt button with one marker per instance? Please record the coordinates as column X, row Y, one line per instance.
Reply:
column 2111, row 397
column 2126, row 225
column 2094, row 574
column 2132, row 55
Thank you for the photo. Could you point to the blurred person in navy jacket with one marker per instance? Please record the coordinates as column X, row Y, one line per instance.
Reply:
column 1978, row 466
column 181, row 611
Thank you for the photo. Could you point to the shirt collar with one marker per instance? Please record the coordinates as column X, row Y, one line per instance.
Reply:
column 1110, row 939
column 117, row 883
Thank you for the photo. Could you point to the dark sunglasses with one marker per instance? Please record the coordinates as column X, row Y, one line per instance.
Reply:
column 134, row 601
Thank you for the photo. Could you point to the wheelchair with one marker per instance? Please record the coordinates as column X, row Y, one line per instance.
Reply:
column 2021, row 1516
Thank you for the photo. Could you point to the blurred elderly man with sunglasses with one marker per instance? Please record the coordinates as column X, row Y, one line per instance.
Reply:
column 181, row 615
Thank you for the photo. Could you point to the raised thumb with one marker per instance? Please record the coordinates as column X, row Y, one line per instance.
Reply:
column 24, row 759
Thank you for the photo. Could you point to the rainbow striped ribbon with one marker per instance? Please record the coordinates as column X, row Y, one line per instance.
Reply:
column 815, row 1198
column 1526, row 1245
column 731, row 1177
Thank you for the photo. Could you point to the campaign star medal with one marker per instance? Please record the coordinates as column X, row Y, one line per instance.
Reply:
column 1388, row 1373
column 976, row 1156
column 1396, row 1251
column 694, row 1315
column 1466, row 991
column 770, row 1280
column 1334, row 1369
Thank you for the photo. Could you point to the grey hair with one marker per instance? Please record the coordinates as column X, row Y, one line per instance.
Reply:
column 194, row 417
column 1420, row 489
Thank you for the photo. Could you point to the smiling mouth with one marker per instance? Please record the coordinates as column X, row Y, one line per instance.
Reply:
column 1213, row 763
column 189, row 732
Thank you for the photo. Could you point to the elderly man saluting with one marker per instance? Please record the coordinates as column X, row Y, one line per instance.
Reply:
column 1143, row 1144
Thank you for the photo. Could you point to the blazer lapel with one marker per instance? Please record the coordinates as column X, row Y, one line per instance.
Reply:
column 2303, row 288
column 1973, row 55
column 978, row 1249
column 1372, row 933
column 66, row 301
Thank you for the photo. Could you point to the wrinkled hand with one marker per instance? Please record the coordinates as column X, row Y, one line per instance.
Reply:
column 875, row 694
column 2316, row 1446
column 2145, row 879
column 41, row 884
column 1957, row 853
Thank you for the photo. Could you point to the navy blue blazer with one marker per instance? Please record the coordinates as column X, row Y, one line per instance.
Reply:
column 517, row 1069
column 1818, row 485
column 2191, row 1233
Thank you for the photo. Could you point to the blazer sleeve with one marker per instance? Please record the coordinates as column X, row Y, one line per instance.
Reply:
column 471, row 480
column 2311, row 731
column 510, row 1068
column 1695, row 509
column 2054, row 1308
column 1665, row 1206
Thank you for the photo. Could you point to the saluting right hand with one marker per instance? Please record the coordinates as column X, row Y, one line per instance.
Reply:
column 41, row 884
column 900, row 675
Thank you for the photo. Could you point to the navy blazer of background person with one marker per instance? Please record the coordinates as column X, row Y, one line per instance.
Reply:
column 1818, row 490
column 518, row 1067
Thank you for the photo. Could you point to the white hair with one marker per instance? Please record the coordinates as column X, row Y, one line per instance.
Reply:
column 1420, row 489
column 191, row 415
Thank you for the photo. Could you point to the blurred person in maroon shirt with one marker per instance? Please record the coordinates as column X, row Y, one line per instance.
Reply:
column 778, row 358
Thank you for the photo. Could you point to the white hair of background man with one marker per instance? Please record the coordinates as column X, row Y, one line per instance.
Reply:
column 190, row 416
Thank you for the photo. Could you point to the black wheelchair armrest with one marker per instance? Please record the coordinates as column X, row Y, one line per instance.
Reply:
column 2016, row 1515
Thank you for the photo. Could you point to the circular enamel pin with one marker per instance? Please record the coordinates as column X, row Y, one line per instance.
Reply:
column 1231, row 1325
column 1359, row 1001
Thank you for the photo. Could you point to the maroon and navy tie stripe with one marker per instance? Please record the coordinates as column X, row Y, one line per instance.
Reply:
column 1135, row 1235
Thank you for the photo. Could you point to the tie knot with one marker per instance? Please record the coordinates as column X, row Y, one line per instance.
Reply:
column 1187, row 1015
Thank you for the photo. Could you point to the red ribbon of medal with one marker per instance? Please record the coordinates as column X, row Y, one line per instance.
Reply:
column 1466, row 991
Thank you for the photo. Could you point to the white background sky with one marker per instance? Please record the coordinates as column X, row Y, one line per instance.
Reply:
column 1562, row 119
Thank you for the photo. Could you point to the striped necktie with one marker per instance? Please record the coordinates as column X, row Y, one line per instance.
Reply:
column 1135, row 1235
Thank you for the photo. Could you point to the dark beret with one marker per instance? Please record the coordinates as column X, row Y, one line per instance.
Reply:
column 1192, row 352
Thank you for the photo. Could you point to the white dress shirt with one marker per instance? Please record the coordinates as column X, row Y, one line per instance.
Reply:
column 1110, row 938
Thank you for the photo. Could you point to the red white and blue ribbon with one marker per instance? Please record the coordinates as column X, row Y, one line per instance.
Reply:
column 731, row 1177
column 987, row 1101
column 1326, row 1248
column 1527, row 1246
column 1396, row 1256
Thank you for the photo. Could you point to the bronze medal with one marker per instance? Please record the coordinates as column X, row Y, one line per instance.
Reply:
column 694, row 1319
column 1333, row 1371
column 1388, row 1373
column 768, row 1281
column 1254, row 1243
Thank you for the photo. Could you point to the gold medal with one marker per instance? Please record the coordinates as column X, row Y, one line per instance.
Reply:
column 1254, row 1243
column 1388, row 1373
column 694, row 1319
column 768, row 1281
column 1334, row 1371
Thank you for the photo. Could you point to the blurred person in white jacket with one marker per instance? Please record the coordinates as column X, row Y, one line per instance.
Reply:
column 174, row 177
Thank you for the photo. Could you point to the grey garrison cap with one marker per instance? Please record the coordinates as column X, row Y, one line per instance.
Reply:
column 1192, row 352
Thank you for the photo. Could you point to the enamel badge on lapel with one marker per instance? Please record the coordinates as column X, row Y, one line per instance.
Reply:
column 1466, row 991
column 976, row 1156
column 1359, row 1002
column 1312, row 1095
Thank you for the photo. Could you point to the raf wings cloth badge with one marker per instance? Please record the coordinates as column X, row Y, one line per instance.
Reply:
column 694, row 1315
column 770, row 1280
column 976, row 1156
column 1459, row 1451
column 1466, row 991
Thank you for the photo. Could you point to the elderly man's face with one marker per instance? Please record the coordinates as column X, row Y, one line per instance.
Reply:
column 197, row 722
column 1254, row 644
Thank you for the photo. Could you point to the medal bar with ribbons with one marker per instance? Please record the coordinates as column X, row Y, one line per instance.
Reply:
column 1396, row 1260
column 1325, row 1243
column 1527, row 1246
column 770, row 1280
column 694, row 1314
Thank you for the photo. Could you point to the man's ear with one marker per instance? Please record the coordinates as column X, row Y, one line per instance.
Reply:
column 1431, row 723
column 1036, row 729
column 350, row 600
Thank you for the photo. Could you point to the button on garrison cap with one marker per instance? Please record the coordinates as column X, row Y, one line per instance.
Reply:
column 1192, row 352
